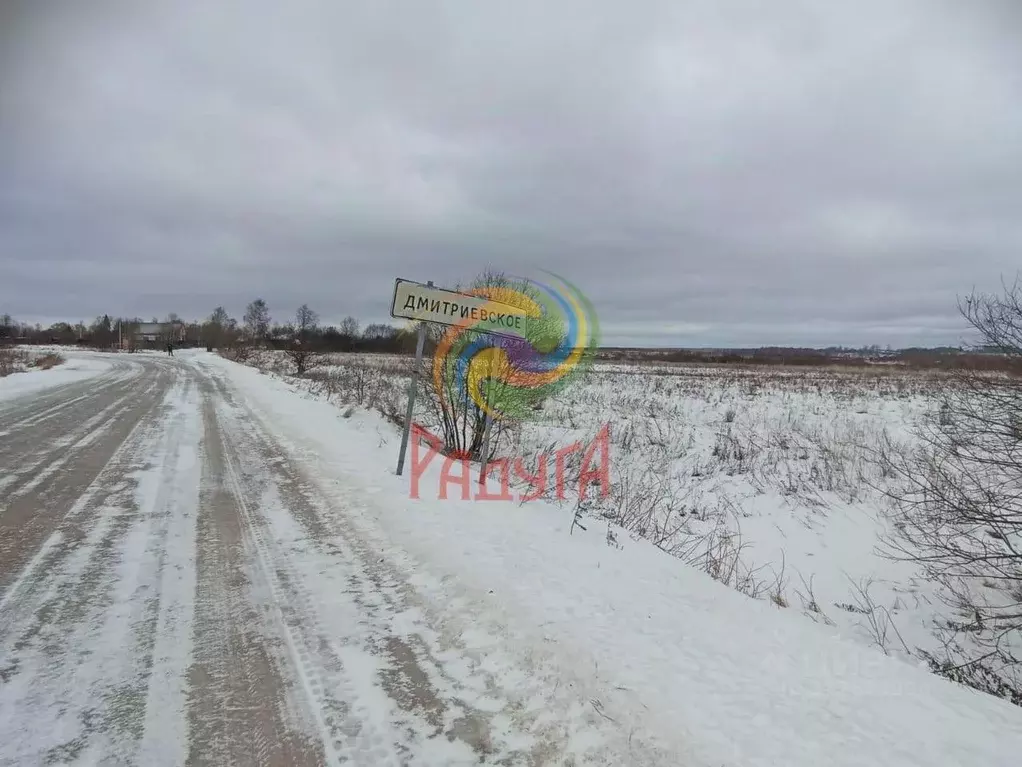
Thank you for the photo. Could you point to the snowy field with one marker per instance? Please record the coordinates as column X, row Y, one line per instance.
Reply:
column 794, row 677
column 772, row 480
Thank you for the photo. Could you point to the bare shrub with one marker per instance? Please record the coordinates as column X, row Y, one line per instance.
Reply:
column 958, row 506
column 356, row 381
column 238, row 349
column 451, row 408
column 780, row 585
column 353, row 381
column 302, row 357
column 47, row 361
column 12, row 360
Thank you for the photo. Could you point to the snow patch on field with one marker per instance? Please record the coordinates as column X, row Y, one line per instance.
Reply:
column 78, row 367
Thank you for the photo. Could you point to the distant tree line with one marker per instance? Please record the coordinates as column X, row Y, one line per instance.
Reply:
column 949, row 358
column 306, row 335
column 222, row 331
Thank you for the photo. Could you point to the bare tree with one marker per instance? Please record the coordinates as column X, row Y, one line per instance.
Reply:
column 349, row 327
column 102, row 332
column 306, row 321
column 214, row 329
column 959, row 506
column 300, row 350
column 379, row 331
column 257, row 319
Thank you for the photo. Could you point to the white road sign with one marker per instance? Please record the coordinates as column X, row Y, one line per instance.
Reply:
column 426, row 303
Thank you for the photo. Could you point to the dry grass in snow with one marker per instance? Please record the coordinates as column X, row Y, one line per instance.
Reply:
column 773, row 481
column 17, row 359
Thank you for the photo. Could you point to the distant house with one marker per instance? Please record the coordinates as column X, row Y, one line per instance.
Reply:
column 157, row 334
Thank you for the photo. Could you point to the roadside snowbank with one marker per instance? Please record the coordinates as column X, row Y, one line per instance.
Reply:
column 717, row 677
column 77, row 367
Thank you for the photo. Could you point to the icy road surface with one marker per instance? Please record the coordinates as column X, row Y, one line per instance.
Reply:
column 175, row 590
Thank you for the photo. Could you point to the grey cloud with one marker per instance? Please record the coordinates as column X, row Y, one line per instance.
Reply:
column 707, row 172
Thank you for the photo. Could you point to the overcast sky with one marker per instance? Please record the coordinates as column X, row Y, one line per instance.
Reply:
column 708, row 173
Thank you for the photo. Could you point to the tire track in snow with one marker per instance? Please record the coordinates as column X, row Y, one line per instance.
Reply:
column 329, row 694
column 28, row 519
column 37, row 468
column 23, row 413
column 27, row 444
column 84, row 672
column 240, row 708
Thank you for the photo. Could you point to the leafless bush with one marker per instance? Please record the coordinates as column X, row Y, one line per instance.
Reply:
column 302, row 357
column 958, row 508
column 991, row 672
column 12, row 360
column 460, row 421
column 391, row 403
column 239, row 349
column 451, row 406
column 47, row 361
column 356, row 381
column 352, row 382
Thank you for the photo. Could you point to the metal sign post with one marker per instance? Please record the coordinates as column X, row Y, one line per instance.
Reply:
column 412, row 386
column 486, row 448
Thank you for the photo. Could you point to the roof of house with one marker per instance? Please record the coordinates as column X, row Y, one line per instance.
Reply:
column 156, row 328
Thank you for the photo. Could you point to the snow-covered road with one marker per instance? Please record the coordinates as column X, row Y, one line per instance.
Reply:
column 174, row 589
